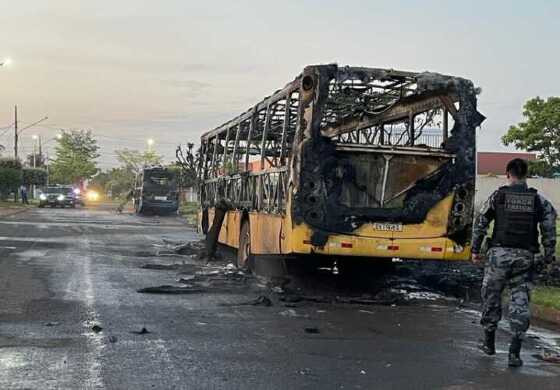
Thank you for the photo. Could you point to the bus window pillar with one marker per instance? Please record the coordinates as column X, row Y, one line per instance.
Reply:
column 445, row 125
column 265, row 134
column 234, row 156
column 387, row 158
column 251, row 129
column 411, row 134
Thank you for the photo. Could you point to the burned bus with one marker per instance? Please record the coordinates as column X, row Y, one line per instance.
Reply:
column 347, row 162
column 155, row 191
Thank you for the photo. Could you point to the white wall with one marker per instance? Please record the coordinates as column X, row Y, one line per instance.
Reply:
column 485, row 185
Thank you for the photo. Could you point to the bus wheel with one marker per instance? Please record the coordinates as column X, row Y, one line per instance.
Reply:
column 244, row 256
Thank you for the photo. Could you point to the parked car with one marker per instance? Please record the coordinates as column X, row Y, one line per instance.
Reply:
column 57, row 196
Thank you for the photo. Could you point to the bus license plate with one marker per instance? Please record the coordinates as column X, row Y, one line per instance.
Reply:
column 388, row 227
column 160, row 197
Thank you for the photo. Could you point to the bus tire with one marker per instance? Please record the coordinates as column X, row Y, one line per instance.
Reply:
column 244, row 259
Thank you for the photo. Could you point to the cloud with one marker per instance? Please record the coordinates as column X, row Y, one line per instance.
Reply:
column 194, row 85
column 218, row 68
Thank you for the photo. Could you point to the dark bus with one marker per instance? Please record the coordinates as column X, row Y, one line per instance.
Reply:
column 155, row 191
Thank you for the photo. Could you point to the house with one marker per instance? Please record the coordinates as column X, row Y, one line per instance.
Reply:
column 494, row 163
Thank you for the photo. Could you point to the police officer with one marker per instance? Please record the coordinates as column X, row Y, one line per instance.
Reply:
column 517, row 211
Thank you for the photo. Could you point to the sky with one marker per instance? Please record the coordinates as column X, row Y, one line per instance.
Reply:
column 130, row 70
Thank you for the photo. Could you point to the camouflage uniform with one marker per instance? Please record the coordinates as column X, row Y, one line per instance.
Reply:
column 511, row 267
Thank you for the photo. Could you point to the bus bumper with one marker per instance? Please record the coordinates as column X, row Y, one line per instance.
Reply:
column 440, row 248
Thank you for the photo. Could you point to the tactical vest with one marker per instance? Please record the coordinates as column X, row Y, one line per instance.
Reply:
column 517, row 216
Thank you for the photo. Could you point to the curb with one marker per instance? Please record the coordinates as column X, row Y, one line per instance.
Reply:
column 13, row 211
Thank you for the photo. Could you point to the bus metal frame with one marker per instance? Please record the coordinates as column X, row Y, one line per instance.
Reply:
column 254, row 162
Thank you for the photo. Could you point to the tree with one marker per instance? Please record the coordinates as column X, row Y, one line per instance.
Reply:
column 121, row 180
column 133, row 160
column 75, row 157
column 34, row 176
column 40, row 160
column 540, row 132
column 10, row 177
column 187, row 161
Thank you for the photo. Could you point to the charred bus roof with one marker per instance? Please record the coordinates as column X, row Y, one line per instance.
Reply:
column 388, row 96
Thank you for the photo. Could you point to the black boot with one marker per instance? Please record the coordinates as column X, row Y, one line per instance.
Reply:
column 488, row 345
column 514, row 351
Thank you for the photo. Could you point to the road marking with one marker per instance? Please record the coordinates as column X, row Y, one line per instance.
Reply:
column 8, row 247
column 81, row 287
column 105, row 225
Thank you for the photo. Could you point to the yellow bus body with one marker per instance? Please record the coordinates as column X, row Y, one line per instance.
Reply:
column 273, row 234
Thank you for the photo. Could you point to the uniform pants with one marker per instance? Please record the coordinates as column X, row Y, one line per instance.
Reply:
column 507, row 267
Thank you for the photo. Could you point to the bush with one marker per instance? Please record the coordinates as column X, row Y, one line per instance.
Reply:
column 35, row 176
column 10, row 163
column 10, row 180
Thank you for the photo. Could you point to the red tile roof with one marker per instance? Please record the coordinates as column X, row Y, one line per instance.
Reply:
column 494, row 163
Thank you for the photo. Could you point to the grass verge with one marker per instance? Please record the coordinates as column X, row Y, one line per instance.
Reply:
column 189, row 210
column 17, row 205
column 547, row 297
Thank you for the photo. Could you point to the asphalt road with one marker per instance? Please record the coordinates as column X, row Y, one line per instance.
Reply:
column 66, row 271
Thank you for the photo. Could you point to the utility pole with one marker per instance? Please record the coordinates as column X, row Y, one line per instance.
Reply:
column 34, row 153
column 15, row 134
column 47, row 165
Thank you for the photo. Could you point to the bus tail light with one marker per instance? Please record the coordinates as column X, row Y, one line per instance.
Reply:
column 346, row 245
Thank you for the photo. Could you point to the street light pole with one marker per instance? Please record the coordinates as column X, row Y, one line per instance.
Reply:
column 15, row 133
column 34, row 151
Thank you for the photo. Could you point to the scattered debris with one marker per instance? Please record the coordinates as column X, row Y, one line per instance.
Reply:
column 186, row 278
column 289, row 313
column 366, row 301
column 165, row 289
column 362, row 372
column 362, row 300
column 188, row 248
column 312, row 330
column 259, row 301
column 52, row 323
column 141, row 331
column 112, row 339
column 162, row 266
column 277, row 290
column 96, row 328
column 366, row 311
column 549, row 357
column 231, row 267
column 205, row 272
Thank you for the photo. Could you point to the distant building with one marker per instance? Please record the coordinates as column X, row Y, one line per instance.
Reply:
column 494, row 163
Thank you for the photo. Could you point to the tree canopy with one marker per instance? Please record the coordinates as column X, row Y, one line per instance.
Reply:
column 539, row 132
column 76, row 152
column 134, row 160
column 40, row 160
column 121, row 180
